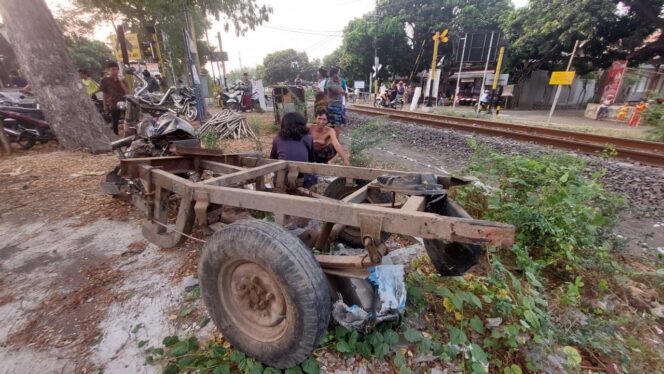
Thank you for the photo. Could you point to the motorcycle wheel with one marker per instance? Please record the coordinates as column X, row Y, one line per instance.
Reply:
column 378, row 103
column 26, row 141
column 234, row 107
column 190, row 113
column 398, row 105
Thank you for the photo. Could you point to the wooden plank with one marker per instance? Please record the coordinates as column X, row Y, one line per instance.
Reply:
column 344, row 262
column 343, row 171
column 246, row 175
column 397, row 221
column 129, row 167
column 219, row 167
column 415, row 203
column 358, row 196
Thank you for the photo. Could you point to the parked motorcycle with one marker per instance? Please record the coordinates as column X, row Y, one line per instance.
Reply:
column 179, row 100
column 25, row 126
column 382, row 102
column 231, row 98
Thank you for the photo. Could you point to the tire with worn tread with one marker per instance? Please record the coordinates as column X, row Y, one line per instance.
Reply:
column 252, row 262
column 337, row 190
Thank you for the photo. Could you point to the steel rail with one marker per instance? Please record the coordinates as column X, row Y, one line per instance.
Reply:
column 646, row 152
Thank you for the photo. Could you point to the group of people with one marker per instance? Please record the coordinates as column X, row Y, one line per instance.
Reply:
column 634, row 119
column 317, row 142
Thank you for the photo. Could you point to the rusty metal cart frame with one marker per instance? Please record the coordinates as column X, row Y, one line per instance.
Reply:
column 257, row 307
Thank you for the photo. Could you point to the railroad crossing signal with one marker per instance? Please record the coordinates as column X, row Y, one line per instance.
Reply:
column 438, row 37
column 376, row 69
column 442, row 37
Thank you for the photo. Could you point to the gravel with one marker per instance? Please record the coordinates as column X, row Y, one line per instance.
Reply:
column 641, row 185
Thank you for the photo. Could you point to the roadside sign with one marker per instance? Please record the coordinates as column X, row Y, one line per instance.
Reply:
column 133, row 48
column 563, row 78
column 502, row 79
column 358, row 84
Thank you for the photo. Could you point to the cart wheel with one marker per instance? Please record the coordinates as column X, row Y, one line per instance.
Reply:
column 337, row 190
column 451, row 258
column 265, row 291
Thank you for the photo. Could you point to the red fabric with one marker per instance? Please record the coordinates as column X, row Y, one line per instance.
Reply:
column 246, row 101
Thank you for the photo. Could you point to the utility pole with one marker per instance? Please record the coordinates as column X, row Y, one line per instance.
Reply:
column 207, row 41
column 120, row 34
column 194, row 63
column 192, row 33
column 486, row 68
column 555, row 99
column 223, row 64
column 463, row 54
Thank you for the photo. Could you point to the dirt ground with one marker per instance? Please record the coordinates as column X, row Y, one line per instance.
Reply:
column 79, row 285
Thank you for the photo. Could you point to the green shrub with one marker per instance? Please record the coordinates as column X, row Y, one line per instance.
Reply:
column 654, row 116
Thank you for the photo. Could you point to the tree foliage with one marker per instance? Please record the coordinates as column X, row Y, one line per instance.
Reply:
column 284, row 65
column 541, row 31
column 168, row 16
column 91, row 55
column 403, row 31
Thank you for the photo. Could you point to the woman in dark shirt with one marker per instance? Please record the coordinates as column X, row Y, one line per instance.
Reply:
column 294, row 143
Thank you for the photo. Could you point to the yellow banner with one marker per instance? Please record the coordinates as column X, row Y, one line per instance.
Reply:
column 563, row 78
column 133, row 48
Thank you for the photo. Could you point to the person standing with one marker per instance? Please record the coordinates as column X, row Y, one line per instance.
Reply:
column 91, row 87
column 247, row 91
column 114, row 90
column 636, row 116
column 322, row 78
column 298, row 80
column 335, row 94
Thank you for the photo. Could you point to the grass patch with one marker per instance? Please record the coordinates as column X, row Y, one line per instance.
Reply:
column 367, row 136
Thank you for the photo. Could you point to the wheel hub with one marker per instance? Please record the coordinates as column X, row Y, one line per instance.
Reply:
column 255, row 301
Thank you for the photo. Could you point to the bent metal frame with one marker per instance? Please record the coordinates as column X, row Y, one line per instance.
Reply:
column 158, row 177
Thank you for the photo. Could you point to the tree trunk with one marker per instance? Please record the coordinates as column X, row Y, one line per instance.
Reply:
column 41, row 52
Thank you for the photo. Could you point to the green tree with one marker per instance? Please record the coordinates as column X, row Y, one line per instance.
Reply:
column 284, row 65
column 168, row 16
column 91, row 55
column 425, row 17
column 541, row 31
column 403, row 29
column 648, row 13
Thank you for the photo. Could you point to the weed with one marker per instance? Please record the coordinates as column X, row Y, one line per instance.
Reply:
column 209, row 140
column 188, row 355
column 362, row 138
column 654, row 116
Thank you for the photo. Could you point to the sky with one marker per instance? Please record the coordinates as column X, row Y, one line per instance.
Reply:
column 312, row 26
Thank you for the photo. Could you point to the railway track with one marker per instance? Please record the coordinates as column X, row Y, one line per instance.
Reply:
column 651, row 153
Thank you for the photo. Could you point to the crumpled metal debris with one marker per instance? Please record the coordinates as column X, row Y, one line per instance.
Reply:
column 389, row 294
